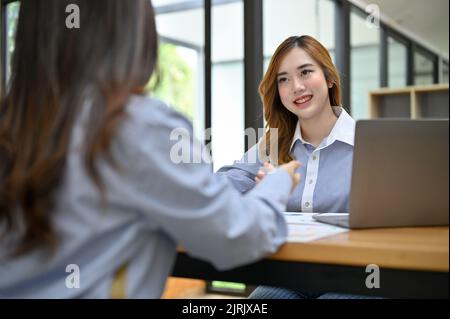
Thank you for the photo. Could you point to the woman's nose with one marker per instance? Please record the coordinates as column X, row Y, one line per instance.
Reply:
column 299, row 86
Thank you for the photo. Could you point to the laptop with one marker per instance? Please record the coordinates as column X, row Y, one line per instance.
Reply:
column 399, row 175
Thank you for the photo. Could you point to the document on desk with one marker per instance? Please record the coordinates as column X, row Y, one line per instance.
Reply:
column 303, row 228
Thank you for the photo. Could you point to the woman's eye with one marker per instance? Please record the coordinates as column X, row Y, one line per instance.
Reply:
column 306, row 72
column 282, row 80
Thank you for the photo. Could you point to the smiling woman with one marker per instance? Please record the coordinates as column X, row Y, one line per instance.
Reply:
column 301, row 96
column 299, row 67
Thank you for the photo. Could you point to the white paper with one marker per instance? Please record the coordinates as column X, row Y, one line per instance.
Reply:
column 303, row 228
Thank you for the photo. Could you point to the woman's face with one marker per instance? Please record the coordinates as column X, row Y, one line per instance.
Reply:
column 302, row 85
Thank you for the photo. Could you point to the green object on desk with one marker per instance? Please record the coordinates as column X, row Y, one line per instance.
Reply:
column 224, row 285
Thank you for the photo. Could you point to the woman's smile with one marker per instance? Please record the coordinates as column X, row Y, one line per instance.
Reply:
column 303, row 101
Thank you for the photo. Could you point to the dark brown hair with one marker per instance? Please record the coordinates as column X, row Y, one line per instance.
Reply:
column 54, row 70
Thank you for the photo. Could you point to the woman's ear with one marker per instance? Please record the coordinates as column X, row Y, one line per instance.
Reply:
column 330, row 85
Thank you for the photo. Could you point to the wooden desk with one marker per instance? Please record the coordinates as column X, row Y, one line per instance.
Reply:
column 413, row 263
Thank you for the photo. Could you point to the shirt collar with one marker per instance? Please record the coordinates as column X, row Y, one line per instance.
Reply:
column 343, row 130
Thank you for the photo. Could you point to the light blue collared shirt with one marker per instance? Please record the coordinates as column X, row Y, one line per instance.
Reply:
column 325, row 171
column 154, row 204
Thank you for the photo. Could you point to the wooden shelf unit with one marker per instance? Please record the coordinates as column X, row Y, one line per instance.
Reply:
column 412, row 102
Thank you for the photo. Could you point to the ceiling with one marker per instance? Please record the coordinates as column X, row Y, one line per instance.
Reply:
column 426, row 21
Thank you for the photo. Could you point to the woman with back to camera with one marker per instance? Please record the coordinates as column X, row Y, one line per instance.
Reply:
column 86, row 176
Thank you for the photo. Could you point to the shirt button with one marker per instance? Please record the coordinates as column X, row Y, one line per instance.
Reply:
column 314, row 157
column 310, row 181
column 307, row 204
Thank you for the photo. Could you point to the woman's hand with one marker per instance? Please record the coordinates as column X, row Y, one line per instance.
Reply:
column 290, row 168
column 267, row 168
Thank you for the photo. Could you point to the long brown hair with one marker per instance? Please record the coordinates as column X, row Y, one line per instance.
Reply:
column 54, row 70
column 276, row 115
